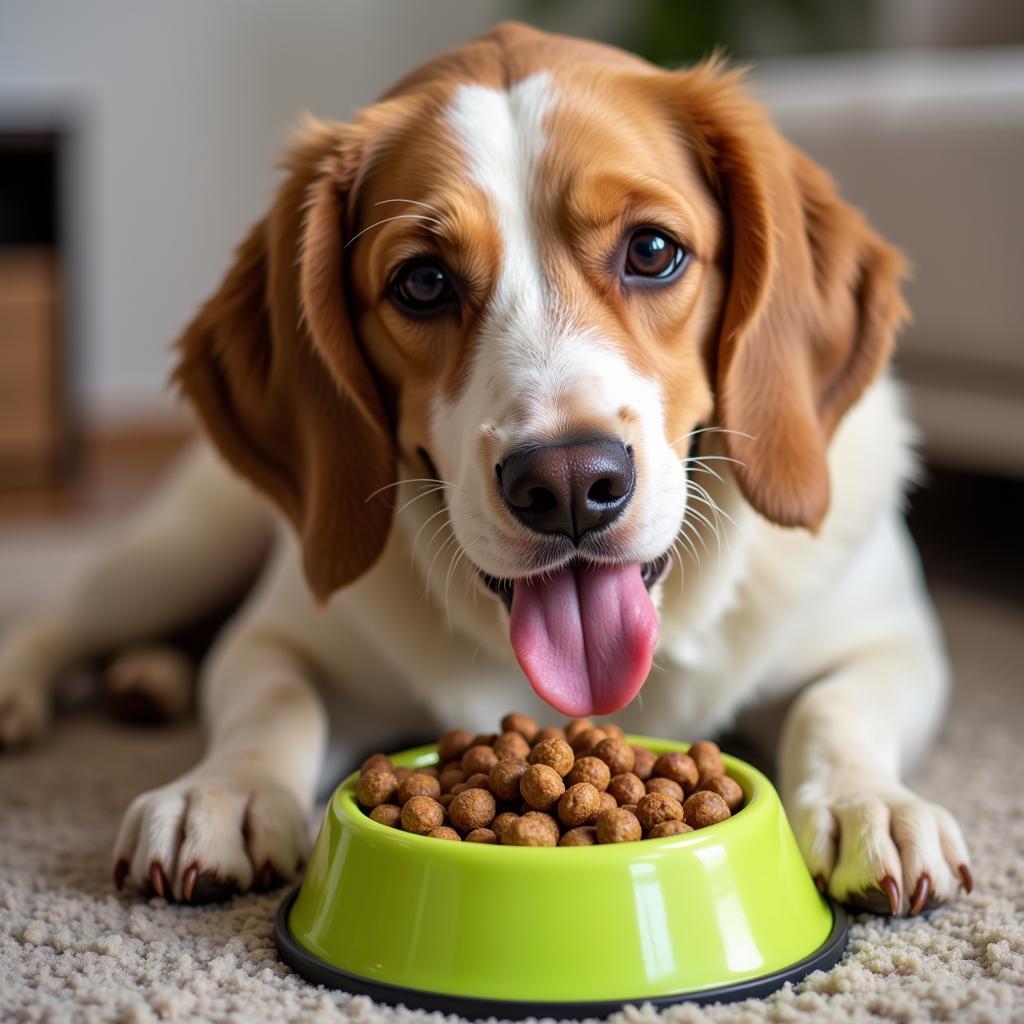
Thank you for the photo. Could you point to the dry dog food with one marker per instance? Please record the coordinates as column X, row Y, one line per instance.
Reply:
column 574, row 786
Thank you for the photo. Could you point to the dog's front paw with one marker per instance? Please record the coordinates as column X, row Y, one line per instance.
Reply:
column 885, row 850
column 207, row 837
column 25, row 712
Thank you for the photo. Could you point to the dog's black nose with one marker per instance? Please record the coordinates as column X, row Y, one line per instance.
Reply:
column 568, row 488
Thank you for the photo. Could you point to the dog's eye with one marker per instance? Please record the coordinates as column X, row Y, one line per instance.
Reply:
column 651, row 253
column 422, row 286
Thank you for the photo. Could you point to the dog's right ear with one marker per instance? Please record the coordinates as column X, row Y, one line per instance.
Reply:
column 279, row 379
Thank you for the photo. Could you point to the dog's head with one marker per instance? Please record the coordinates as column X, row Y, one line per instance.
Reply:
column 531, row 273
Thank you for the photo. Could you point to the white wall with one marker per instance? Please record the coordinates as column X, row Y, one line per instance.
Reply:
column 183, row 107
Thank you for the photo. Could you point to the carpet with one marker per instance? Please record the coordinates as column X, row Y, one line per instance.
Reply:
column 71, row 949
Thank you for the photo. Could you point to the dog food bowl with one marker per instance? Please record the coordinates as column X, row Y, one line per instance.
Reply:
column 722, row 913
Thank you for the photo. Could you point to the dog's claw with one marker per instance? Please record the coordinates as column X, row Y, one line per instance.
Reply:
column 820, row 883
column 921, row 891
column 267, row 877
column 892, row 890
column 966, row 878
column 188, row 883
column 120, row 873
column 157, row 879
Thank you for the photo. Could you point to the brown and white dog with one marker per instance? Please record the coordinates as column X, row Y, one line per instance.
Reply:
column 553, row 358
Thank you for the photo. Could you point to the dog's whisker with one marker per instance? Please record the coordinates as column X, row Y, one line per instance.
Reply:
column 695, row 468
column 416, row 540
column 385, row 220
column 411, row 480
column 716, row 458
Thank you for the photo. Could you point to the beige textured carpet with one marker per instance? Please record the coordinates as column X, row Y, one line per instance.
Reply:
column 71, row 949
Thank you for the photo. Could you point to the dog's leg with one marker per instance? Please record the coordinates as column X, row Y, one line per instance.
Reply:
column 188, row 548
column 238, row 819
column 849, row 737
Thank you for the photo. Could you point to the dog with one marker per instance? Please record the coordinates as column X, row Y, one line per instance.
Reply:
column 549, row 364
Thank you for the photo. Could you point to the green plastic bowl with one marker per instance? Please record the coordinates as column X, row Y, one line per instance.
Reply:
column 725, row 912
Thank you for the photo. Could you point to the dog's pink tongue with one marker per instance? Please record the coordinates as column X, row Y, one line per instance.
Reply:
column 585, row 637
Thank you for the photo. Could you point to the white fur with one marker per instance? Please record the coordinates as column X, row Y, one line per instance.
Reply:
column 840, row 623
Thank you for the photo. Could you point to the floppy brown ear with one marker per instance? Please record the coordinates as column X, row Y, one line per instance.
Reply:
column 278, row 378
column 812, row 307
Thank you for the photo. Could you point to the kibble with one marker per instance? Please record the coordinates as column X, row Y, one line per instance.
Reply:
column 704, row 808
column 708, row 758
column 444, row 832
column 555, row 753
column 626, row 788
column 419, row 784
column 617, row 754
column 387, row 814
column 618, row 826
column 643, row 763
column 656, row 808
column 421, row 814
column 504, row 778
column 453, row 745
column 541, row 786
column 728, row 789
column 680, row 768
column 479, row 758
column 592, row 770
column 376, row 786
column 522, row 724
column 474, row 808
column 527, row 786
column 578, row 804
column 666, row 787
column 513, row 745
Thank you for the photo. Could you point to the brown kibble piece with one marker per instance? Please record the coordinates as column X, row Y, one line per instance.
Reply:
column 376, row 786
column 618, row 826
column 678, row 767
column 576, row 726
column 451, row 776
column 418, row 784
column 643, row 763
column 549, row 822
column 626, row 788
column 504, row 778
column 475, row 808
column 445, row 799
column 444, row 832
column 616, row 753
column 530, row 830
column 672, row 827
column 421, row 814
column 459, row 787
column 387, row 814
column 401, row 773
column 666, row 787
column 728, row 789
column 541, row 786
column 704, row 808
column 578, row 804
column 613, row 730
column 555, row 753
column 512, row 744
column 630, row 807
column 377, row 762
column 481, row 835
column 482, row 780
column 607, row 804
column 592, row 770
column 484, row 739
column 583, row 743
column 585, row 835
column 478, row 758
column 655, row 808
column 549, row 733
column 522, row 724
column 453, row 745
column 432, row 770
column 708, row 758
column 502, row 822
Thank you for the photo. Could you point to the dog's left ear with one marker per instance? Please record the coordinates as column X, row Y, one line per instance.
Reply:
column 280, row 379
column 813, row 301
